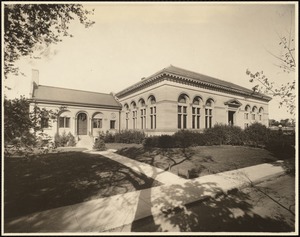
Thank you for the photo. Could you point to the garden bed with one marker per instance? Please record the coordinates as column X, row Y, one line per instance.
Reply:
column 201, row 160
column 58, row 179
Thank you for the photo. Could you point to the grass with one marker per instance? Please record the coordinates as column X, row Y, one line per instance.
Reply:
column 58, row 179
column 202, row 160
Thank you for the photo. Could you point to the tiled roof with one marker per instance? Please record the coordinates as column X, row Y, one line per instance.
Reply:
column 196, row 77
column 69, row 96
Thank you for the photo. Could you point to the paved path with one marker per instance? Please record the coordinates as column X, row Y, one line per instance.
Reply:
column 120, row 211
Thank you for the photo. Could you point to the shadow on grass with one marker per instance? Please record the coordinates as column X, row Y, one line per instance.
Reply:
column 55, row 180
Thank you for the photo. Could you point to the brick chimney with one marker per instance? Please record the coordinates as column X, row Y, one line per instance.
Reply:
column 34, row 81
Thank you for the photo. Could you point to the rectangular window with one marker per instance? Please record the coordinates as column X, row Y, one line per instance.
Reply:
column 97, row 123
column 195, row 118
column 112, row 124
column 246, row 116
column 64, row 122
column 253, row 116
column 182, row 116
column 45, row 123
column 143, row 118
column 153, row 117
column 246, row 125
column 134, row 119
column 127, row 118
column 208, row 118
column 260, row 117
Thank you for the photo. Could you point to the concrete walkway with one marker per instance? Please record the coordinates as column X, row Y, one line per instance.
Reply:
column 120, row 211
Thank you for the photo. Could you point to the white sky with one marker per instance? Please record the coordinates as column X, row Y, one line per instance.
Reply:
column 134, row 40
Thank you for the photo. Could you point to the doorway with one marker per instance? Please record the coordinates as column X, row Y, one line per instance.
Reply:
column 231, row 116
column 82, row 124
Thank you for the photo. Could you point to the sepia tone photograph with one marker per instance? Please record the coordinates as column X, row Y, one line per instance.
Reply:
column 149, row 118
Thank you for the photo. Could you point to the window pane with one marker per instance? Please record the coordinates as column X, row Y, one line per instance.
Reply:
column 193, row 110
column 184, row 121
column 154, row 109
column 112, row 124
column 151, row 110
column 179, row 109
column 151, row 121
column 154, row 122
column 210, row 111
column 184, row 109
column 198, row 110
column 61, row 122
column 206, row 113
column 67, row 122
column 179, row 120
column 193, row 121
column 198, row 122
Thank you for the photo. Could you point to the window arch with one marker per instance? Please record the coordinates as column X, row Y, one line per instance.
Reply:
column 182, row 111
column 196, row 112
column 254, row 112
column 97, row 120
column 143, row 113
column 209, row 112
column 134, row 114
column 152, row 103
column 64, row 119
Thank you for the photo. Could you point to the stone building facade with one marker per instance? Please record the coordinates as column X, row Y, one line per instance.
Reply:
column 163, row 103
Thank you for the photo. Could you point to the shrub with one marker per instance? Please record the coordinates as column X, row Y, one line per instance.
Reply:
column 186, row 138
column 256, row 134
column 64, row 140
column 99, row 144
column 125, row 136
column 281, row 145
column 71, row 139
column 224, row 135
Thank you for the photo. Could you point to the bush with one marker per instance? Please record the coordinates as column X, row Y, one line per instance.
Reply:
column 224, row 135
column 125, row 136
column 64, row 140
column 99, row 144
column 280, row 144
column 186, row 138
column 71, row 139
column 256, row 134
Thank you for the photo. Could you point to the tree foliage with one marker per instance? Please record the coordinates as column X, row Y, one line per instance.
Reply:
column 287, row 63
column 23, row 127
column 27, row 26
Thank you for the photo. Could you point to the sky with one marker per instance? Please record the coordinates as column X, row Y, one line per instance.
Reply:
column 130, row 41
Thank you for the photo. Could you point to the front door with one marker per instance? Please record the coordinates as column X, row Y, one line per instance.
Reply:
column 231, row 117
column 82, row 124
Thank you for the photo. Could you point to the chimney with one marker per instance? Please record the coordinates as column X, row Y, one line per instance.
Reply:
column 35, row 76
column 34, row 81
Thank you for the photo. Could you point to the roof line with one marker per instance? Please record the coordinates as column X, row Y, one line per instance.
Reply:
column 76, row 90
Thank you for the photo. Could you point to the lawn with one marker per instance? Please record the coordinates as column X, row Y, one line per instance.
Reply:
column 58, row 179
column 202, row 160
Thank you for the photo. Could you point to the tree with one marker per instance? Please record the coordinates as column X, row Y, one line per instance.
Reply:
column 23, row 128
column 287, row 63
column 28, row 26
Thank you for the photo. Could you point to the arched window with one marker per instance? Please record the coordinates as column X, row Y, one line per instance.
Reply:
column 254, row 112
column 64, row 119
column 126, row 108
column 134, row 115
column 143, row 113
column 152, row 102
column 196, row 112
column 97, row 120
column 208, row 113
column 182, row 111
